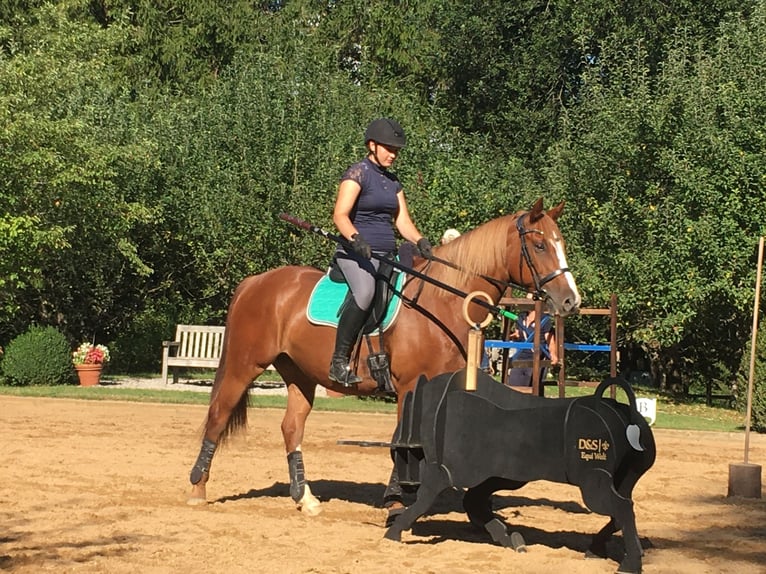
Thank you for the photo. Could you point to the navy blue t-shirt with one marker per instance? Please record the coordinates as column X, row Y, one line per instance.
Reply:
column 527, row 335
column 376, row 205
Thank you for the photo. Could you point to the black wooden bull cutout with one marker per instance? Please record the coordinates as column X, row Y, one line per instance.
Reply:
column 497, row 438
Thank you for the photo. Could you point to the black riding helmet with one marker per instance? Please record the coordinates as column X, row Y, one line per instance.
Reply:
column 385, row 131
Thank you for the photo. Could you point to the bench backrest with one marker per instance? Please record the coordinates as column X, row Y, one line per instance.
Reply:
column 200, row 341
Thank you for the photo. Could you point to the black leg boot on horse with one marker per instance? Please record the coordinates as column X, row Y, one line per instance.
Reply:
column 351, row 321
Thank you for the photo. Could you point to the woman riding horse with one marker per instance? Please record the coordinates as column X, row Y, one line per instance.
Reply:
column 267, row 324
column 369, row 198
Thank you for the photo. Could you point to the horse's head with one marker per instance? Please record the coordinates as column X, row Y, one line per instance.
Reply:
column 542, row 262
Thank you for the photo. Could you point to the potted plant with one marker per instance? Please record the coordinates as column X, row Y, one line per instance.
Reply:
column 89, row 360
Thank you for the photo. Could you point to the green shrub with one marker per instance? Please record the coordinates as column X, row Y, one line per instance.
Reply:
column 138, row 348
column 41, row 356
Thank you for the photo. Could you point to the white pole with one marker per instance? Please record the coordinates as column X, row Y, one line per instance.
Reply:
column 752, row 348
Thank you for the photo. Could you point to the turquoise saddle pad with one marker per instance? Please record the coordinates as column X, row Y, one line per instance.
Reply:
column 328, row 295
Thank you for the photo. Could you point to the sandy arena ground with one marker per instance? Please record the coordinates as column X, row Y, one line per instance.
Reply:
column 101, row 487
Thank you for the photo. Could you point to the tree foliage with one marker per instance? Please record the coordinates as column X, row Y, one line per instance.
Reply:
column 149, row 148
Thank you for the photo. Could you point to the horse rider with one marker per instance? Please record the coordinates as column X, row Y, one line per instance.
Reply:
column 370, row 198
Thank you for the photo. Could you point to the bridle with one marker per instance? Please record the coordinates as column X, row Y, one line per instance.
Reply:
column 527, row 258
column 538, row 281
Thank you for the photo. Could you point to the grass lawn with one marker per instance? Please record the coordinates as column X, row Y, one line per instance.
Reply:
column 670, row 413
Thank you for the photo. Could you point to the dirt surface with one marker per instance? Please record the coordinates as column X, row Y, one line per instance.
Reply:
column 101, row 487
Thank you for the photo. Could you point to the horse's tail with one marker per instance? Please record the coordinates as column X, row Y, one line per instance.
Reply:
column 237, row 421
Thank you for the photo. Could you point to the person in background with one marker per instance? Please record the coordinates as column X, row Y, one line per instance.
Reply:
column 525, row 333
column 369, row 204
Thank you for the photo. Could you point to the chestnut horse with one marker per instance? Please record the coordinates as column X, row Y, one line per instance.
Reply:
column 267, row 325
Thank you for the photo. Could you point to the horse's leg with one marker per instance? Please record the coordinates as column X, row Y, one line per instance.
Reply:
column 299, row 404
column 600, row 495
column 229, row 398
column 393, row 496
column 434, row 481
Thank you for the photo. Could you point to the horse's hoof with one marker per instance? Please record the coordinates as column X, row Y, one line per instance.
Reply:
column 309, row 504
column 310, row 509
column 195, row 501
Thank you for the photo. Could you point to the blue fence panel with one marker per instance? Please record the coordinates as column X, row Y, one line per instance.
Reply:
column 498, row 344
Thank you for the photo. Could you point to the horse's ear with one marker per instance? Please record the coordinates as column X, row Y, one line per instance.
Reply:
column 537, row 210
column 555, row 212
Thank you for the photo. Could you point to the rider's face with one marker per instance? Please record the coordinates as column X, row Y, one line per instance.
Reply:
column 383, row 155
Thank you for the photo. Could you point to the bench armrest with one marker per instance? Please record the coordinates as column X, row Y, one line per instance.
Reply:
column 170, row 343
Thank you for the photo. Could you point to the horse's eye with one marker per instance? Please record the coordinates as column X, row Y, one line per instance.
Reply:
column 540, row 246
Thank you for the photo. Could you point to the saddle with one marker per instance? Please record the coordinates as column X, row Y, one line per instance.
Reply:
column 331, row 293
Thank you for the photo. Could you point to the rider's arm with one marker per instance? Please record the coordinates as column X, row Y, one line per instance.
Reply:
column 348, row 192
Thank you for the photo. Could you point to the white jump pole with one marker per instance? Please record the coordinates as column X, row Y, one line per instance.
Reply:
column 745, row 478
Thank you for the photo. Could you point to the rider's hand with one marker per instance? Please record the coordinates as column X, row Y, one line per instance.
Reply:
column 424, row 247
column 360, row 246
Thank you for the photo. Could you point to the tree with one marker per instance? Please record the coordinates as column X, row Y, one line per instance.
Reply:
column 667, row 178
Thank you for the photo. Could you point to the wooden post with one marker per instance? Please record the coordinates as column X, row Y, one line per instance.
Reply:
column 537, row 384
column 562, row 364
column 613, row 341
column 613, row 335
column 745, row 478
column 474, row 361
column 475, row 339
column 753, row 341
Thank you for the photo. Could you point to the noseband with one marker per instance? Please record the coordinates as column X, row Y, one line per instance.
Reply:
column 539, row 281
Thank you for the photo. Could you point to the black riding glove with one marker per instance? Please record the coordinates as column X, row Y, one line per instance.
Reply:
column 360, row 246
column 424, row 247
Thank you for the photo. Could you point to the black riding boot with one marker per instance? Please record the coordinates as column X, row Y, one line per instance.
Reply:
column 351, row 321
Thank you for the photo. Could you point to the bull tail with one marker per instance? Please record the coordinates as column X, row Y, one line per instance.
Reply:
column 633, row 430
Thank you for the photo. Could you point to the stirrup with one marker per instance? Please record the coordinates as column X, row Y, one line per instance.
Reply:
column 341, row 373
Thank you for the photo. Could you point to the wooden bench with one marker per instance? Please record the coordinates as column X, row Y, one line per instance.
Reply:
column 197, row 346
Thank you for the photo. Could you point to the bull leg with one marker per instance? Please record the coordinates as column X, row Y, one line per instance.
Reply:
column 600, row 495
column 626, row 480
column 434, row 481
column 597, row 548
column 477, row 502
column 299, row 404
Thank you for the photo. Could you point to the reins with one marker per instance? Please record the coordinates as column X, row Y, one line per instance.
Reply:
column 415, row 273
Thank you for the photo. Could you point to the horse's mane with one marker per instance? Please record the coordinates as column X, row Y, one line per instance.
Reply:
column 480, row 251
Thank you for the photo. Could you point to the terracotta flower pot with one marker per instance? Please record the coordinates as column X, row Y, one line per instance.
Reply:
column 89, row 374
